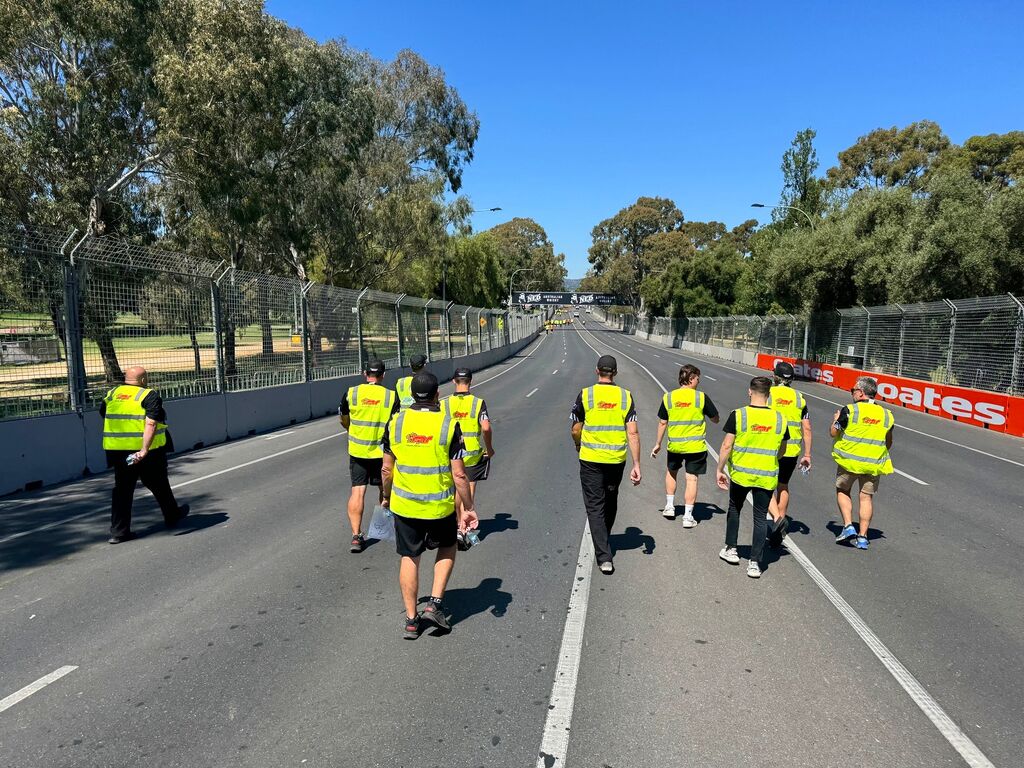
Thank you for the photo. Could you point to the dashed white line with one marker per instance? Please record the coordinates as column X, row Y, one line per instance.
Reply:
column 554, row 371
column 909, row 477
column 532, row 393
column 655, row 354
column 281, row 434
column 38, row 685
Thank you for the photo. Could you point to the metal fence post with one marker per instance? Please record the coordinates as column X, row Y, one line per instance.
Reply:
column 807, row 333
column 73, row 329
column 307, row 342
column 426, row 332
column 903, row 335
column 1016, row 385
column 359, row 325
column 867, row 335
column 839, row 336
column 952, row 339
column 398, row 326
column 480, row 329
column 448, row 328
column 218, row 331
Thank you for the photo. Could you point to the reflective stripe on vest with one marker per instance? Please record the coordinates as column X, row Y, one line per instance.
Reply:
column 369, row 408
column 422, row 484
column 124, row 420
column 403, row 387
column 686, row 431
column 604, row 425
column 790, row 404
column 753, row 462
column 468, row 419
column 860, row 449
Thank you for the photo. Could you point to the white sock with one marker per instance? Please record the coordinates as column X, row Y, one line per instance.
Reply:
column 670, row 501
column 689, row 510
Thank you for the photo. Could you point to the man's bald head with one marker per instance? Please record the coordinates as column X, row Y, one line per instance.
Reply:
column 135, row 375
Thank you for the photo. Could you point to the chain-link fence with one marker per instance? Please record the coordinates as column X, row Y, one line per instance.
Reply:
column 977, row 343
column 75, row 311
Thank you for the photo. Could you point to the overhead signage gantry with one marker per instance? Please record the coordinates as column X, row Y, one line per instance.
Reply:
column 556, row 298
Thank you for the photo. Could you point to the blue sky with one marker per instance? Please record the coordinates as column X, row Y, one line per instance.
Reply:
column 585, row 106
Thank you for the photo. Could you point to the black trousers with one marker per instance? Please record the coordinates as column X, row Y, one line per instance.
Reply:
column 762, row 498
column 152, row 471
column 601, row 498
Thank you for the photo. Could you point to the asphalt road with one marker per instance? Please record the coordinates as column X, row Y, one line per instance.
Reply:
column 251, row 637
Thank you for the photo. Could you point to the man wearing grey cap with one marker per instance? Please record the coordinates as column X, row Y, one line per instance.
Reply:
column 604, row 429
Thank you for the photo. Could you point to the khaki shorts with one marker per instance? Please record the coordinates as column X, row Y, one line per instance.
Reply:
column 845, row 481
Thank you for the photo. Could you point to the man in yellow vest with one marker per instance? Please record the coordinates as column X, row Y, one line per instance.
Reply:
column 423, row 472
column 364, row 412
column 604, row 429
column 793, row 407
column 404, row 384
column 682, row 415
column 136, row 442
column 863, row 435
column 755, row 440
column 471, row 414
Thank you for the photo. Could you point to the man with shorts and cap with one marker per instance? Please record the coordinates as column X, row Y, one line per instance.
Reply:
column 402, row 386
column 604, row 429
column 423, row 470
column 471, row 414
column 793, row 407
column 682, row 415
column 364, row 412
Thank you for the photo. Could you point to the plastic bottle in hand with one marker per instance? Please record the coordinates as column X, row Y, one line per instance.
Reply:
column 132, row 458
column 472, row 538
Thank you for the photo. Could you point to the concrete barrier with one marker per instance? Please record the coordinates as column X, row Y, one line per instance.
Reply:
column 50, row 449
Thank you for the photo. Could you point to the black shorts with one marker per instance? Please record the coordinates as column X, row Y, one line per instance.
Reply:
column 365, row 471
column 786, row 466
column 479, row 471
column 413, row 535
column 696, row 463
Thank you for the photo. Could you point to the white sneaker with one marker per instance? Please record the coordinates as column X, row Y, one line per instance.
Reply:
column 669, row 513
column 689, row 521
column 730, row 555
column 753, row 570
column 607, row 567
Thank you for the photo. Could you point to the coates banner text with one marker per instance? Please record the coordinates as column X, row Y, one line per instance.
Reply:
column 991, row 410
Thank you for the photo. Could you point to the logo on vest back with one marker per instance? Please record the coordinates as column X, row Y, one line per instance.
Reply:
column 460, row 414
column 682, row 404
column 780, row 401
column 368, row 401
column 760, row 428
column 419, row 439
column 867, row 420
column 605, row 406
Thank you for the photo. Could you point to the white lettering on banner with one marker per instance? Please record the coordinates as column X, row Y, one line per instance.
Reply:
column 808, row 371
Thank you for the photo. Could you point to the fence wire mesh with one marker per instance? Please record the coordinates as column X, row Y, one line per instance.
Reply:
column 76, row 311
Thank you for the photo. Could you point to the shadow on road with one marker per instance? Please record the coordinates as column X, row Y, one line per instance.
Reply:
column 632, row 538
column 462, row 604
column 502, row 521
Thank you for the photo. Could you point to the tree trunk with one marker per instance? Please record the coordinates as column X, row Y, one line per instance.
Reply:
column 266, row 332
column 197, row 360
column 230, row 367
column 111, row 368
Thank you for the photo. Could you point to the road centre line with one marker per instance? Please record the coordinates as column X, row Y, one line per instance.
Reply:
column 38, row 685
column 280, row 434
column 554, row 372
column 909, row 477
column 898, row 426
column 967, row 749
column 533, row 392
column 99, row 510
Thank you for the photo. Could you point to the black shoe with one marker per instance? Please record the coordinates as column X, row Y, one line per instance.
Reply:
column 121, row 539
column 433, row 613
column 183, row 511
column 358, row 543
column 412, row 628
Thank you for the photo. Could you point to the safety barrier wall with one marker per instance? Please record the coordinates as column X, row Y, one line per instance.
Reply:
column 49, row 449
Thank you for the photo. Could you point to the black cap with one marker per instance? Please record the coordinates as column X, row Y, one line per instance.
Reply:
column 463, row 373
column 784, row 370
column 607, row 364
column 417, row 361
column 424, row 386
column 375, row 367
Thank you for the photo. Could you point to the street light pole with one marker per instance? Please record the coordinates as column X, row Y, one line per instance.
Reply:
column 786, row 207
column 510, row 278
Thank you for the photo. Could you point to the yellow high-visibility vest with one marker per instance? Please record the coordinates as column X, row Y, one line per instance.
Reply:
column 404, row 389
column 790, row 404
column 686, row 427
column 754, row 461
column 422, row 486
column 860, row 448
column 465, row 409
column 604, row 428
column 125, row 419
column 369, row 408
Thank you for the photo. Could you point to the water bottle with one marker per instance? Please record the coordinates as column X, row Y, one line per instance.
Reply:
column 132, row 458
column 805, row 471
column 472, row 538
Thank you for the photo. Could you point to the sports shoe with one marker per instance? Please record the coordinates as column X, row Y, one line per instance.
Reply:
column 412, row 628
column 847, row 533
column 669, row 513
column 433, row 613
column 460, row 542
column 128, row 536
column 183, row 511
column 861, row 542
column 753, row 569
column 607, row 567
column 358, row 543
column 730, row 555
column 689, row 521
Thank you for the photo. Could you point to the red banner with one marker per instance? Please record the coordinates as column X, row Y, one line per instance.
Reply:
column 990, row 410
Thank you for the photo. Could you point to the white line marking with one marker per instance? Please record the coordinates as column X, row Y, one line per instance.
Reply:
column 533, row 392
column 709, row 378
column 656, row 354
column 958, row 739
column 282, row 434
column 555, row 742
column 909, row 477
column 31, row 688
column 554, row 372
column 502, row 373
